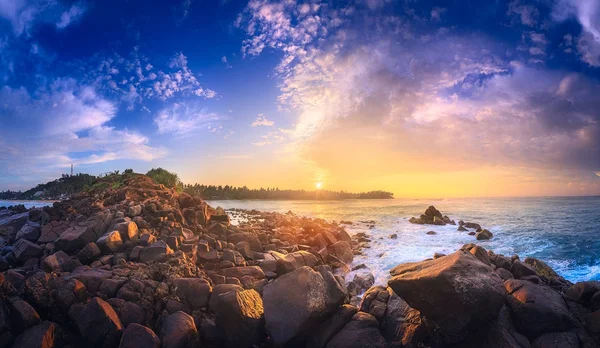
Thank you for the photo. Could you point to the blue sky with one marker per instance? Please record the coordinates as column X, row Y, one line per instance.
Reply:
column 489, row 98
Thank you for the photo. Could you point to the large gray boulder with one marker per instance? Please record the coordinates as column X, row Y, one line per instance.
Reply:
column 457, row 292
column 179, row 331
column 360, row 332
column 296, row 301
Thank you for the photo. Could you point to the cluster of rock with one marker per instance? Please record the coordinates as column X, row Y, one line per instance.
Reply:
column 141, row 265
column 432, row 216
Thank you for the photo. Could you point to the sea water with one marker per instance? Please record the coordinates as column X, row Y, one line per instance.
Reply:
column 562, row 231
column 27, row 204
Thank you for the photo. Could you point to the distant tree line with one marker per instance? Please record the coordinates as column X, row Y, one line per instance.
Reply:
column 212, row 192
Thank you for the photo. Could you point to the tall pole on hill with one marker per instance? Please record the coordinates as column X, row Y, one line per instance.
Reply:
column 71, row 170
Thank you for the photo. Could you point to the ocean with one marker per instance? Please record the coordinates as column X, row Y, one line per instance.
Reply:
column 562, row 231
column 27, row 204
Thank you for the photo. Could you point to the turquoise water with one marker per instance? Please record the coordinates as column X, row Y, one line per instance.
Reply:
column 562, row 231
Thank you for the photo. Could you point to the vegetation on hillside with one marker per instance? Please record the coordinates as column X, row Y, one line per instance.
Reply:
column 163, row 176
column 64, row 185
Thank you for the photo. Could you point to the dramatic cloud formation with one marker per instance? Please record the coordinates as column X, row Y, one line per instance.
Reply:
column 460, row 101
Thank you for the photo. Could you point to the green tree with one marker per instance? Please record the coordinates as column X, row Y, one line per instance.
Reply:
column 163, row 176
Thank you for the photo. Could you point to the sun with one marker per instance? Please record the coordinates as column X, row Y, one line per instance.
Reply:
column 319, row 185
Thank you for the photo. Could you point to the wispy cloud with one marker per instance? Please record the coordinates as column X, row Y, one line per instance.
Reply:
column 224, row 61
column 262, row 120
column 182, row 119
column 71, row 15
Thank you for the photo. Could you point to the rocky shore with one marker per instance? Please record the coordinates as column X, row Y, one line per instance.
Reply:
column 140, row 265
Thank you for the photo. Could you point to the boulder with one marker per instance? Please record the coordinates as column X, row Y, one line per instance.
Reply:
column 22, row 315
column 25, row 250
column 30, row 231
column 136, row 335
column 556, row 340
column 60, row 262
column 484, row 235
column 374, row 302
column 155, row 252
column 480, row 254
column 331, row 327
column 110, row 243
column 458, row 292
column 194, row 291
column 178, row 331
column 219, row 290
column 295, row 260
column 89, row 253
column 128, row 230
column 582, row 292
column 44, row 335
column 239, row 272
column 239, row 318
column 79, row 235
column 537, row 309
column 403, row 325
column 360, row 332
column 295, row 301
column 520, row 270
column 340, row 251
column 99, row 325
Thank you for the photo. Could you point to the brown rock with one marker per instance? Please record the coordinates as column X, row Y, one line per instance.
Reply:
column 136, row 335
column 99, row 325
column 178, row 331
column 194, row 291
column 458, row 292
column 44, row 335
column 239, row 318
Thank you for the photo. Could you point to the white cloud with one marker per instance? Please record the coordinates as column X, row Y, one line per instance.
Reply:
column 224, row 61
column 181, row 119
column 261, row 120
column 528, row 14
column 70, row 16
column 587, row 12
column 66, row 123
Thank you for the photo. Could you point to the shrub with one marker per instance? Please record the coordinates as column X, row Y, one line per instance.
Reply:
column 163, row 176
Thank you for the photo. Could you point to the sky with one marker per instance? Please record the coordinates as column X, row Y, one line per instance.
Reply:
column 426, row 99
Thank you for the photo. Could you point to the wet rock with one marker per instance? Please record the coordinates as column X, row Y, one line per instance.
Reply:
column 431, row 233
column 44, row 335
column 194, row 291
column 136, row 335
column 239, row 318
column 25, row 250
column 504, row 274
column 462, row 229
column 537, row 309
column 99, row 325
column 484, row 235
column 458, row 292
column 471, row 225
column 294, row 301
column 361, row 331
column 178, row 331
column 393, row 236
